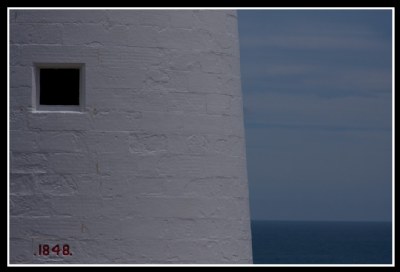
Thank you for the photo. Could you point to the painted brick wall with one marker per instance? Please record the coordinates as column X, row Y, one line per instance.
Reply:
column 154, row 169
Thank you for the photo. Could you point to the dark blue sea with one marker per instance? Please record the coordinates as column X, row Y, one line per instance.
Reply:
column 292, row 242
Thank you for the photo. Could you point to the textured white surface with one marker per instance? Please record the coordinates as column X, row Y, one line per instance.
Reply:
column 154, row 169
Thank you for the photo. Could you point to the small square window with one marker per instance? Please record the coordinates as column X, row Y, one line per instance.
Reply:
column 58, row 87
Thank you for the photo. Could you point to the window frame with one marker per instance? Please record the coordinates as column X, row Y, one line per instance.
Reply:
column 57, row 108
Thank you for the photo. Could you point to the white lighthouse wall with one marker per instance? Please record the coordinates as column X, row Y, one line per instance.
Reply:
column 153, row 170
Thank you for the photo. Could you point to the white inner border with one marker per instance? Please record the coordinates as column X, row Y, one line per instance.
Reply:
column 198, row 8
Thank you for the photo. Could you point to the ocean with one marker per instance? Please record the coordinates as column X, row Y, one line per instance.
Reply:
column 292, row 242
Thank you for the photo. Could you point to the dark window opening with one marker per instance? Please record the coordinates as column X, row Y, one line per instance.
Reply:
column 59, row 86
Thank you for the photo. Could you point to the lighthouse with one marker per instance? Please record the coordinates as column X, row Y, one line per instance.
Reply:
column 126, row 138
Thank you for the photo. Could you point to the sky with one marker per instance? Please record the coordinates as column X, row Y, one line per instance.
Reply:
column 317, row 91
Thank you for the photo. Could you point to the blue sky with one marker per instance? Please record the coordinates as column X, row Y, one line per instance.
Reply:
column 317, row 88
